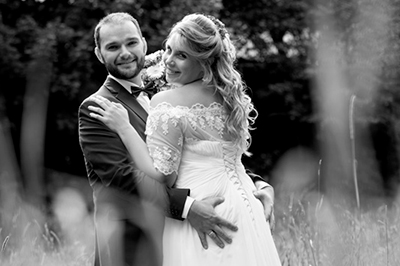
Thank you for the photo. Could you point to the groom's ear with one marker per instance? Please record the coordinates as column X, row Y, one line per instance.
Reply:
column 98, row 54
column 144, row 45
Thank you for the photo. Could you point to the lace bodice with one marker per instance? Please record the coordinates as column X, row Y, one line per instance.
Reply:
column 169, row 127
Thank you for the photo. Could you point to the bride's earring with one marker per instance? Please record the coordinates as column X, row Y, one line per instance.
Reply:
column 203, row 78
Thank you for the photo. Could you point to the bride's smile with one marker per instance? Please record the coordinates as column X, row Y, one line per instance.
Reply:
column 181, row 67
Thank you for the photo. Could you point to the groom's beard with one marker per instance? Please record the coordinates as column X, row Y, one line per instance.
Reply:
column 129, row 74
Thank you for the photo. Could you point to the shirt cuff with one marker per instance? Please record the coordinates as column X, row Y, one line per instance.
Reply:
column 188, row 203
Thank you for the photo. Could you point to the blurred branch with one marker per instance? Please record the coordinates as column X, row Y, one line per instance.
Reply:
column 10, row 184
column 33, row 127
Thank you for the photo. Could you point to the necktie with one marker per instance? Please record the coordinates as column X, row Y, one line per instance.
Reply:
column 149, row 89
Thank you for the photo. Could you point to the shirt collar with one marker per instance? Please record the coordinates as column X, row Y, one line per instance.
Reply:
column 125, row 83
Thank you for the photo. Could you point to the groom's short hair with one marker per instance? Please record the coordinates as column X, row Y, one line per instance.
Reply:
column 114, row 18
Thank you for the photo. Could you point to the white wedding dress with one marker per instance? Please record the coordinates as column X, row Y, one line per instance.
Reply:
column 190, row 142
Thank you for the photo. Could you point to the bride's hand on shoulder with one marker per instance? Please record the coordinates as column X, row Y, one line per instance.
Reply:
column 112, row 114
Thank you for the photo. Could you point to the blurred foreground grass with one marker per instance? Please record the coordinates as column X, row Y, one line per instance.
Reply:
column 35, row 245
column 324, row 234
column 61, row 234
column 307, row 233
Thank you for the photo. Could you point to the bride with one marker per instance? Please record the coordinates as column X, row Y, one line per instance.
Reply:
column 197, row 133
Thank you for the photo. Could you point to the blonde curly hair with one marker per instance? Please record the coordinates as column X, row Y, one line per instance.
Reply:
column 208, row 41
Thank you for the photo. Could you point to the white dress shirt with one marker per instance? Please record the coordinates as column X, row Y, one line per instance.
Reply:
column 142, row 98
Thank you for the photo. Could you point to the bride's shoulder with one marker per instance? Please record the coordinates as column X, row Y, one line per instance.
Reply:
column 168, row 96
column 184, row 97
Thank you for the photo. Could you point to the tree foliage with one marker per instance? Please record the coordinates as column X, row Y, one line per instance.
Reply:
column 275, row 41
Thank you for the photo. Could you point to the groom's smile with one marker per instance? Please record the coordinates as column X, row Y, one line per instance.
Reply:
column 122, row 50
column 128, row 65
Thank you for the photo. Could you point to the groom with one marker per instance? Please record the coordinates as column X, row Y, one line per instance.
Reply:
column 128, row 220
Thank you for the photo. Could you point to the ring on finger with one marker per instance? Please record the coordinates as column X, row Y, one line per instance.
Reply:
column 211, row 234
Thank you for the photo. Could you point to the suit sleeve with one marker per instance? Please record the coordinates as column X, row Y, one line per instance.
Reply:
column 256, row 178
column 107, row 159
column 105, row 155
column 177, row 198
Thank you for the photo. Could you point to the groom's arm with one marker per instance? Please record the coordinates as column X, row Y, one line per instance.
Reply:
column 177, row 203
column 265, row 193
column 200, row 214
column 203, row 218
column 258, row 180
column 105, row 154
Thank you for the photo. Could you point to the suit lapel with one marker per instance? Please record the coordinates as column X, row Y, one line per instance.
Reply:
column 126, row 98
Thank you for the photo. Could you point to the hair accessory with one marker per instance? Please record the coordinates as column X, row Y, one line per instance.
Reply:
column 220, row 26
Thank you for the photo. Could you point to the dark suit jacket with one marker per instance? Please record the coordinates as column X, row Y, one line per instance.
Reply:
column 129, row 205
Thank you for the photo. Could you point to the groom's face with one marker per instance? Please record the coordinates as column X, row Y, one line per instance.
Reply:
column 122, row 50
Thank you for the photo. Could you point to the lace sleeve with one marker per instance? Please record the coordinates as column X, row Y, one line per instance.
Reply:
column 164, row 139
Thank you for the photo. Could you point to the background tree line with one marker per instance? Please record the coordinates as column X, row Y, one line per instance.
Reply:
column 47, row 67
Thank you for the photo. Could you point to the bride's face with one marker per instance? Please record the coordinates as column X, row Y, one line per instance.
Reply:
column 181, row 68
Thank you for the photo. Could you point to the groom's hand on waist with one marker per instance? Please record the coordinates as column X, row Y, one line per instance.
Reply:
column 204, row 219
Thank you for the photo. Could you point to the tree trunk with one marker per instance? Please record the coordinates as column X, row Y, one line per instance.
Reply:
column 33, row 127
column 10, row 183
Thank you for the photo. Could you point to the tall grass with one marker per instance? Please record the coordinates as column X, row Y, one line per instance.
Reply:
column 308, row 233
column 31, row 237
column 324, row 234
column 47, row 249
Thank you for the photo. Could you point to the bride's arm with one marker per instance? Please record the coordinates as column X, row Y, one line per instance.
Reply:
column 138, row 150
column 115, row 116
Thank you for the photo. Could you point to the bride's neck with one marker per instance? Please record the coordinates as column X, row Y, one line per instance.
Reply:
column 193, row 81
column 190, row 82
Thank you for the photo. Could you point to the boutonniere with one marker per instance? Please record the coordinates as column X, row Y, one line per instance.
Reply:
column 153, row 73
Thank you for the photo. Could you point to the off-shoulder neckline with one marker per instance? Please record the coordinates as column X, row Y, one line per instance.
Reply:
column 194, row 106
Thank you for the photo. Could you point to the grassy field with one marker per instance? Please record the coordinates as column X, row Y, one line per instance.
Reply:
column 304, row 234
column 318, row 234
column 310, row 232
